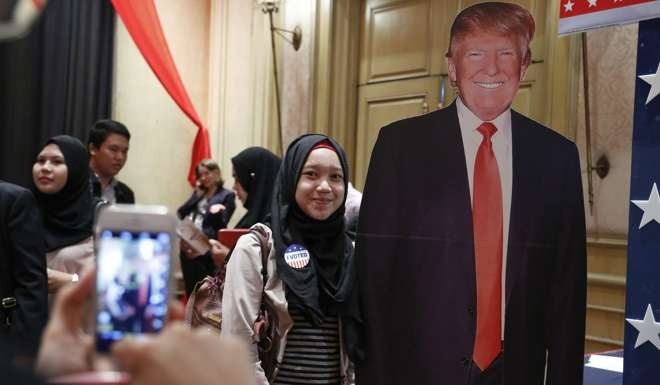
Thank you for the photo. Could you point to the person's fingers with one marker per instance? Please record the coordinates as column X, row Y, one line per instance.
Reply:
column 175, row 311
column 64, row 348
column 231, row 357
column 131, row 352
column 87, row 344
column 70, row 302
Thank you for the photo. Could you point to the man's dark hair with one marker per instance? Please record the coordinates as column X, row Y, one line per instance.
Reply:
column 104, row 127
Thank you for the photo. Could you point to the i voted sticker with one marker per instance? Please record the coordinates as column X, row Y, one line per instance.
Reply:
column 296, row 256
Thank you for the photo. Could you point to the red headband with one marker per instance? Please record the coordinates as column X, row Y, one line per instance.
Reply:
column 324, row 144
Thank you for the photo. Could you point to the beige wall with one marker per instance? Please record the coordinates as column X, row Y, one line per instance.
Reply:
column 240, row 86
column 612, row 52
column 296, row 68
column 222, row 51
column 161, row 135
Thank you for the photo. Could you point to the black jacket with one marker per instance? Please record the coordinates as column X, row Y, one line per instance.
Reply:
column 212, row 222
column 22, row 268
column 123, row 193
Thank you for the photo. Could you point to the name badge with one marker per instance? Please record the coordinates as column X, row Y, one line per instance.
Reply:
column 296, row 256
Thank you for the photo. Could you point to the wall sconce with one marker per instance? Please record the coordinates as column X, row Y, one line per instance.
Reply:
column 602, row 166
column 269, row 7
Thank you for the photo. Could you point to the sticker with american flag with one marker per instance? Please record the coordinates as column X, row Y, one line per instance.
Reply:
column 582, row 15
column 296, row 256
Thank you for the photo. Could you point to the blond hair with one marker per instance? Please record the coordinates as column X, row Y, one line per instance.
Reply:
column 496, row 17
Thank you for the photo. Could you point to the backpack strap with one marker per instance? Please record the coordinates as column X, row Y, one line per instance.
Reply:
column 265, row 251
column 265, row 327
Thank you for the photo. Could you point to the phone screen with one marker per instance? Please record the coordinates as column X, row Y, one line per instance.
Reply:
column 131, row 284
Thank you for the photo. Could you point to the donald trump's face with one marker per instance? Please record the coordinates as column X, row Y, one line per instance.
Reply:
column 487, row 69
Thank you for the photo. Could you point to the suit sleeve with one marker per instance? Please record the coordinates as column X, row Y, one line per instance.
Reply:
column 188, row 206
column 565, row 320
column 379, row 206
column 29, row 269
column 374, row 253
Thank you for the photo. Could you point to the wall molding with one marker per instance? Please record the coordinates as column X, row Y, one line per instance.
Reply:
column 336, row 70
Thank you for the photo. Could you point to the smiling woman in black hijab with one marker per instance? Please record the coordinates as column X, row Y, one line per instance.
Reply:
column 61, row 187
column 326, row 284
column 309, row 268
column 255, row 170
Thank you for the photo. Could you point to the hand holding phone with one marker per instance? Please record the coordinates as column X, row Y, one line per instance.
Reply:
column 199, row 188
column 65, row 348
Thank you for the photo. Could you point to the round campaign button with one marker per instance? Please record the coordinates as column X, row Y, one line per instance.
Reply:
column 296, row 256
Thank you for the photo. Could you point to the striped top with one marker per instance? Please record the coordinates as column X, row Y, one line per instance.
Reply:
column 311, row 355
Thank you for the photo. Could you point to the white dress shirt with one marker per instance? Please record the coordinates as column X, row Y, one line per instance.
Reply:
column 502, row 148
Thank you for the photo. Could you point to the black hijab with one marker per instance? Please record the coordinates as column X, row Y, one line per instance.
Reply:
column 256, row 169
column 68, row 213
column 325, row 285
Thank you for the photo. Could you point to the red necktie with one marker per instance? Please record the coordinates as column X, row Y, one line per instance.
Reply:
column 487, row 222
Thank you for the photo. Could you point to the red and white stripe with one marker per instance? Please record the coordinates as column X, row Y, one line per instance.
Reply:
column 297, row 259
column 582, row 15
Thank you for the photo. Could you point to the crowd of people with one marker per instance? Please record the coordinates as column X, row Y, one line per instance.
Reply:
column 50, row 236
column 451, row 276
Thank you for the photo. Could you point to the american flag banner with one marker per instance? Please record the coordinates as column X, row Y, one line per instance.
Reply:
column 581, row 15
column 642, row 326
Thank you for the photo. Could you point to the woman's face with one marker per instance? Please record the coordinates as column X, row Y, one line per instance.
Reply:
column 50, row 172
column 208, row 178
column 320, row 190
column 238, row 188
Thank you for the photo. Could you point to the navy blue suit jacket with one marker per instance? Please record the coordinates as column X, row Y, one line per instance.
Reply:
column 212, row 222
column 415, row 256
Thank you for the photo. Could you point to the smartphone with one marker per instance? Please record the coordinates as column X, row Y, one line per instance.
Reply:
column 229, row 237
column 135, row 249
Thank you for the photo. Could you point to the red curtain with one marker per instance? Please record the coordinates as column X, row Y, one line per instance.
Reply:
column 142, row 22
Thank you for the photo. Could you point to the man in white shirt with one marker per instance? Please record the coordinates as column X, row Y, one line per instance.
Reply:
column 472, row 268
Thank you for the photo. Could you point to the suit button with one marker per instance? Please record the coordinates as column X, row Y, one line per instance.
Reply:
column 470, row 310
column 465, row 361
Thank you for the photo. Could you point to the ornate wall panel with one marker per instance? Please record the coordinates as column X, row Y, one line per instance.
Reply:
column 612, row 53
column 380, row 104
column 398, row 41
